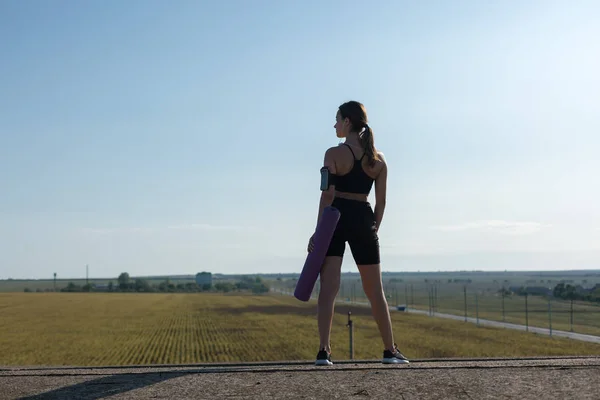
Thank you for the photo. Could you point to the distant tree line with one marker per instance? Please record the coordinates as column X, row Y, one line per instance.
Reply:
column 570, row 292
column 457, row 280
column 124, row 283
column 563, row 291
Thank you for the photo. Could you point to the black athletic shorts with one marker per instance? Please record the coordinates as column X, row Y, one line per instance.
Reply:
column 357, row 227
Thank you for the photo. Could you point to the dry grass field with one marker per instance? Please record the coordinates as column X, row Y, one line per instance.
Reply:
column 135, row 328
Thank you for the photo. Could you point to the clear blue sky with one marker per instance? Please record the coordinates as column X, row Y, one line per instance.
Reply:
column 178, row 136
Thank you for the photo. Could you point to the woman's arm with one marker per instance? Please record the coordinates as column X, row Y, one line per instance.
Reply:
column 380, row 193
column 328, row 195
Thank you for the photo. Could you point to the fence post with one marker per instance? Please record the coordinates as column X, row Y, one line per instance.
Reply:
column 477, row 307
column 465, row 296
column 429, row 300
column 526, row 314
column 503, row 312
column 351, row 333
column 432, row 300
column 550, row 315
column 571, row 315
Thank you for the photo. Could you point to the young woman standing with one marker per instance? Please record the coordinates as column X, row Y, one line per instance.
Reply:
column 352, row 168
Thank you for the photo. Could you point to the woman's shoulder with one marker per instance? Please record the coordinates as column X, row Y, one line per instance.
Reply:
column 332, row 156
column 380, row 163
column 335, row 150
column 381, row 157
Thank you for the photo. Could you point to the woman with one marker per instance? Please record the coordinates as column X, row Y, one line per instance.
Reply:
column 353, row 167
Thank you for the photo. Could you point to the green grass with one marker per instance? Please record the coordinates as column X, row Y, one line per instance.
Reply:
column 130, row 328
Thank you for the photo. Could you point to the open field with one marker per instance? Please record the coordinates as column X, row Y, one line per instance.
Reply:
column 156, row 328
column 412, row 288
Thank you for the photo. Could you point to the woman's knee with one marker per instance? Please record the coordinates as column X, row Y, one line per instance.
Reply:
column 374, row 293
column 330, row 276
column 371, row 280
column 329, row 288
column 330, row 280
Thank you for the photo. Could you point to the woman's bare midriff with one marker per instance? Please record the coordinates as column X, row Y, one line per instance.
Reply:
column 352, row 196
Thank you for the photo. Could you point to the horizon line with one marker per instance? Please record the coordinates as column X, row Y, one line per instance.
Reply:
column 462, row 271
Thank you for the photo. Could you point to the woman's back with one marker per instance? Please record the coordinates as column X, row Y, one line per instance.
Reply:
column 354, row 176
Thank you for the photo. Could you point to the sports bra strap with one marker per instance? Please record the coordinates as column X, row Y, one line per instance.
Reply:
column 353, row 155
column 350, row 148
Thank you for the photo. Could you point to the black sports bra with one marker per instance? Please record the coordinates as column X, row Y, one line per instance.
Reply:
column 355, row 181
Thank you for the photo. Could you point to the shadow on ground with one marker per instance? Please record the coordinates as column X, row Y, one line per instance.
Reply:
column 106, row 386
column 112, row 385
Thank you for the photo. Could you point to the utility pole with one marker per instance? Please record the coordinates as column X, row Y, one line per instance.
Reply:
column 86, row 274
column 55, row 281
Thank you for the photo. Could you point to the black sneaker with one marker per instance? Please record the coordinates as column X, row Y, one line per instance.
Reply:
column 323, row 358
column 394, row 358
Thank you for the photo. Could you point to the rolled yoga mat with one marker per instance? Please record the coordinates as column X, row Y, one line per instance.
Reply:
column 314, row 259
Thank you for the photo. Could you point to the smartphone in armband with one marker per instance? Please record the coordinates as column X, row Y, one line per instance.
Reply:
column 325, row 179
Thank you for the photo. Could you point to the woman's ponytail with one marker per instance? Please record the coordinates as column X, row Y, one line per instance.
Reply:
column 357, row 114
column 368, row 143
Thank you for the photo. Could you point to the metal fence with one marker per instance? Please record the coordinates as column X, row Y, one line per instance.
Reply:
column 477, row 303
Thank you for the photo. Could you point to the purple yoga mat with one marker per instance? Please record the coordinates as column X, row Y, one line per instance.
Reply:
column 314, row 259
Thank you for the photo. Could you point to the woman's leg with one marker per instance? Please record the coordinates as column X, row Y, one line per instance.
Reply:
column 364, row 244
column 373, row 287
column 330, row 285
column 370, row 275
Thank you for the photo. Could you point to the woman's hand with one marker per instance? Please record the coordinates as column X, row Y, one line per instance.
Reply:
column 311, row 243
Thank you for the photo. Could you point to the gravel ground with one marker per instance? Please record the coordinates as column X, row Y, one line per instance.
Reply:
column 527, row 378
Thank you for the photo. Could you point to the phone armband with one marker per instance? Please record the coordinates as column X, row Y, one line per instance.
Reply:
column 327, row 179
